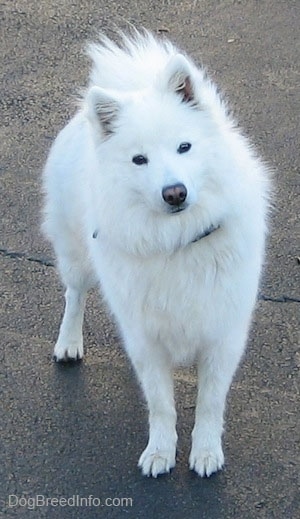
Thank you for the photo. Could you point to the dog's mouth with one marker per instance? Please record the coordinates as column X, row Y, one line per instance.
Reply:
column 177, row 209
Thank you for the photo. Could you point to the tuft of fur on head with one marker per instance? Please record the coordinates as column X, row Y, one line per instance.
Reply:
column 136, row 65
column 130, row 64
column 141, row 60
column 104, row 105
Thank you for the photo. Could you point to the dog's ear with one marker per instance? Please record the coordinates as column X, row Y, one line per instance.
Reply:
column 103, row 107
column 178, row 77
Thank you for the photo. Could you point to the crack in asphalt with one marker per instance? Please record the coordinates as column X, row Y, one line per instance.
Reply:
column 47, row 262
column 280, row 299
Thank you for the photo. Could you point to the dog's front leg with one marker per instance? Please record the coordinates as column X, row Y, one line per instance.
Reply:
column 216, row 368
column 155, row 373
column 69, row 345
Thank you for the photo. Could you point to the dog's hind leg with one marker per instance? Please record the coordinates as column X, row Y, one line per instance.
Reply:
column 78, row 278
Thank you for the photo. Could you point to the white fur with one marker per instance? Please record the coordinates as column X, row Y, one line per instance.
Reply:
column 175, row 300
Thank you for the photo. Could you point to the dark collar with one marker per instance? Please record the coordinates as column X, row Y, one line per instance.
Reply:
column 207, row 232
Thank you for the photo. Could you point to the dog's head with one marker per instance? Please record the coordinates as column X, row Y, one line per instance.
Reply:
column 156, row 148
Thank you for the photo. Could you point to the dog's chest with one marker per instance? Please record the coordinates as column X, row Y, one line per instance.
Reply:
column 177, row 285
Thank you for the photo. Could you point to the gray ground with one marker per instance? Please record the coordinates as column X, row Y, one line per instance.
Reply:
column 68, row 430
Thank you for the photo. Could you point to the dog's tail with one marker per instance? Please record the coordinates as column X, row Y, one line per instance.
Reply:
column 131, row 64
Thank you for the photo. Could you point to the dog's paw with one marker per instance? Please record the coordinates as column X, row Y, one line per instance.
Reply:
column 206, row 461
column 155, row 462
column 70, row 351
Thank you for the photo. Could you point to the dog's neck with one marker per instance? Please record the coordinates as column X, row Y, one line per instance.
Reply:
column 207, row 232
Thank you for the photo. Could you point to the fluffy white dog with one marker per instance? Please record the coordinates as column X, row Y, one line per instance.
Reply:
column 152, row 191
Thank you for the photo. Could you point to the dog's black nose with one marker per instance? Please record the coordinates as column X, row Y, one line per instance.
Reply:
column 174, row 195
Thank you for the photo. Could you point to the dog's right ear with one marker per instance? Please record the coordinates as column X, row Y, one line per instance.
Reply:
column 102, row 107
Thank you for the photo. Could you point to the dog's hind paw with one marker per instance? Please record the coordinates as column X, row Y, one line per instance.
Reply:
column 158, row 462
column 71, row 351
column 206, row 461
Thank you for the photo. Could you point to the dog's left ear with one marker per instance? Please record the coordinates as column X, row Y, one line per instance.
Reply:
column 178, row 78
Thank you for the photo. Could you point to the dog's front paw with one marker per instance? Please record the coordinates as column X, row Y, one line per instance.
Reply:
column 65, row 351
column 155, row 461
column 205, row 461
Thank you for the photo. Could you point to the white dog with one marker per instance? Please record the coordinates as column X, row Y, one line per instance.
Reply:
column 152, row 191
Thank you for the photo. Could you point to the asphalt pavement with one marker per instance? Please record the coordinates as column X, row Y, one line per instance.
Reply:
column 71, row 435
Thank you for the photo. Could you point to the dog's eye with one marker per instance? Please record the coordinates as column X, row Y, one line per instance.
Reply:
column 139, row 160
column 184, row 147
